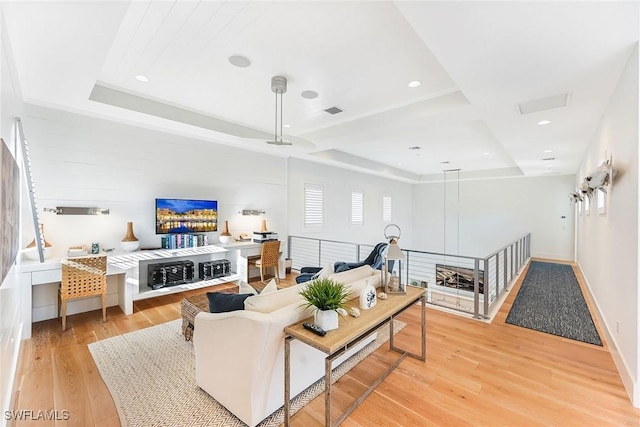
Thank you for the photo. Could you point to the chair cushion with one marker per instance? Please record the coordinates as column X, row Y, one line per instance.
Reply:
column 221, row 303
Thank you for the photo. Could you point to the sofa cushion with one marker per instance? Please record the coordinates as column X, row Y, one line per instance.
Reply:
column 221, row 303
column 350, row 276
column 266, row 303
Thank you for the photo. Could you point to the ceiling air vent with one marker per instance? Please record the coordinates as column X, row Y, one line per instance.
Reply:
column 543, row 104
column 549, row 158
column 333, row 110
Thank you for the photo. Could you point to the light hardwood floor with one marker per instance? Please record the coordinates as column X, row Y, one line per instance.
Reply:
column 476, row 374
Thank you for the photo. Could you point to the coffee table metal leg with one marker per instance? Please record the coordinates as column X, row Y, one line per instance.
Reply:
column 423, row 347
column 327, row 391
column 287, row 381
column 423, row 320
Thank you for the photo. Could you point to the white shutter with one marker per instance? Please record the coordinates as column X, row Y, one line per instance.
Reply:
column 357, row 207
column 386, row 208
column 313, row 205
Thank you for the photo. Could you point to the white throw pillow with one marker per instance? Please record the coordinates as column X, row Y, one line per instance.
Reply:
column 245, row 288
column 325, row 272
column 266, row 303
column 271, row 287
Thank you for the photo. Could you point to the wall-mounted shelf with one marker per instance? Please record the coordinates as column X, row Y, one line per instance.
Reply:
column 72, row 210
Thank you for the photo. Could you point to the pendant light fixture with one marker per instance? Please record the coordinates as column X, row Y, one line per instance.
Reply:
column 278, row 86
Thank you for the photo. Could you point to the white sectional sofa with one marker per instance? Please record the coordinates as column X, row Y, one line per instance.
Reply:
column 239, row 355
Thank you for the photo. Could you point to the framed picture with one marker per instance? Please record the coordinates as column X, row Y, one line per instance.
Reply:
column 9, row 200
column 461, row 278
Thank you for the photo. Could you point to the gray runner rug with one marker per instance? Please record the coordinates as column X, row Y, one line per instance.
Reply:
column 550, row 300
column 150, row 374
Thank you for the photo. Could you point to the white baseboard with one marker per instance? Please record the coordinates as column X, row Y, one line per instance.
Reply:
column 8, row 400
column 628, row 381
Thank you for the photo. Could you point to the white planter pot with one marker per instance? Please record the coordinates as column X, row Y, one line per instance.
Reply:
column 327, row 319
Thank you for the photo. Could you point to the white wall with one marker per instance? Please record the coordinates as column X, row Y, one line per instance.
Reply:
column 83, row 161
column 10, row 295
column 607, row 246
column 483, row 216
column 338, row 184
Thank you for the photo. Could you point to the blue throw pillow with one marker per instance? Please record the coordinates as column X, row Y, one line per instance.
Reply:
column 220, row 302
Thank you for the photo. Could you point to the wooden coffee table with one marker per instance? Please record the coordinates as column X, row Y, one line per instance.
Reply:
column 351, row 331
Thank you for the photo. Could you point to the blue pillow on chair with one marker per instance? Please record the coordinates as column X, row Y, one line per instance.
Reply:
column 220, row 302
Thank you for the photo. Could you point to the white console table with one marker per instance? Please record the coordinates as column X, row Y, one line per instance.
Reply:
column 123, row 273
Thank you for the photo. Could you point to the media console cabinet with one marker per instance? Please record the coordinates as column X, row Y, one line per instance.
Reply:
column 126, row 278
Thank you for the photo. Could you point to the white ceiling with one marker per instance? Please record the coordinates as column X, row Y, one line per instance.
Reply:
column 476, row 60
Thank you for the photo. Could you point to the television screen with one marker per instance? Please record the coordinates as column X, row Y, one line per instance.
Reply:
column 186, row 216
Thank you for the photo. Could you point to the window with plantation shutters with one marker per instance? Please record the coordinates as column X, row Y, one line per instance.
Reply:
column 313, row 205
column 357, row 207
column 386, row 208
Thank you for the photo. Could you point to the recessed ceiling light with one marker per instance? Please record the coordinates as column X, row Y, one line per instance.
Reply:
column 549, row 166
column 549, row 158
column 485, row 154
column 239, row 61
column 544, row 122
column 286, row 126
column 415, row 147
column 309, row 94
column 445, row 162
column 142, row 78
column 414, row 83
column 548, row 151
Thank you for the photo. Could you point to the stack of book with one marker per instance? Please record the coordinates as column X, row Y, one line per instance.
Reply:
column 181, row 241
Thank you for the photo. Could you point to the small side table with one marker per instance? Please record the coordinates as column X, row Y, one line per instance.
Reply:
column 351, row 331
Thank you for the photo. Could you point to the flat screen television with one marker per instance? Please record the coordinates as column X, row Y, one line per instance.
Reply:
column 186, row 216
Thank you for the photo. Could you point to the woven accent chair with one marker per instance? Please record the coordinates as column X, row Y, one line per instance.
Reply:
column 81, row 278
column 269, row 258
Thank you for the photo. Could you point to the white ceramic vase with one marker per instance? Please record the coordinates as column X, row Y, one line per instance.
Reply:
column 327, row 319
column 368, row 297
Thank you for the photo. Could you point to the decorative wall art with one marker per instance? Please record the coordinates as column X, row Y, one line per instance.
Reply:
column 9, row 205
column 595, row 184
column 458, row 277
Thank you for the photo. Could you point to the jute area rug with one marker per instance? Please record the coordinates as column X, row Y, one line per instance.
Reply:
column 150, row 374
column 550, row 300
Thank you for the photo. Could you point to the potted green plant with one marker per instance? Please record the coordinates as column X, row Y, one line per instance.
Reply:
column 327, row 296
